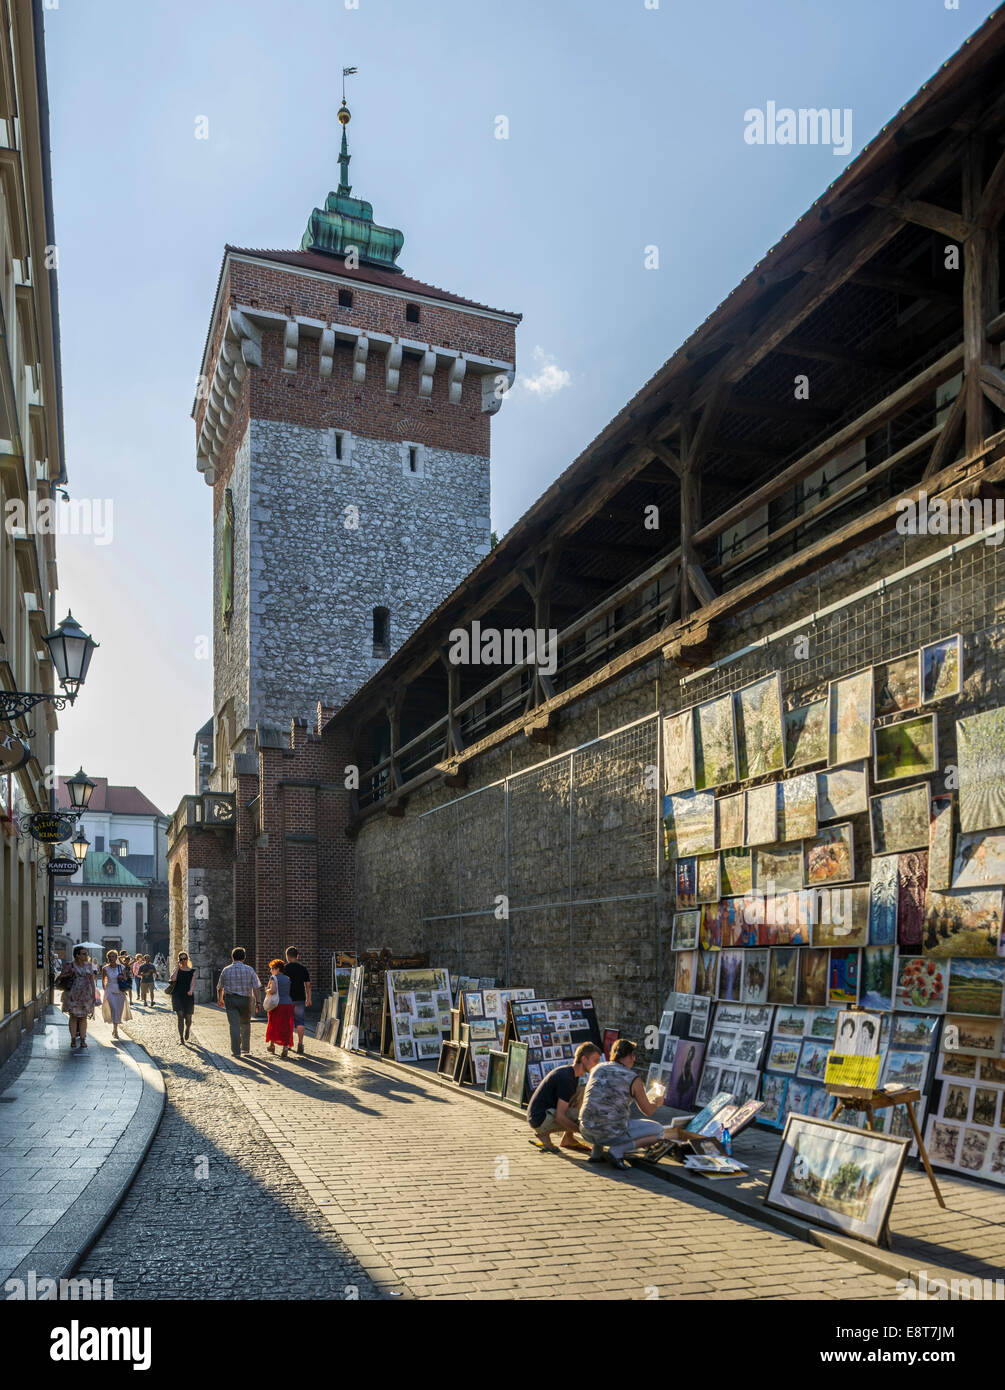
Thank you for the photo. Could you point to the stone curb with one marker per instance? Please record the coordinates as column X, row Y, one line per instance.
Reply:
column 61, row 1250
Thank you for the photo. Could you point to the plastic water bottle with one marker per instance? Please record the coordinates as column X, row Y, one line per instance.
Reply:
column 727, row 1144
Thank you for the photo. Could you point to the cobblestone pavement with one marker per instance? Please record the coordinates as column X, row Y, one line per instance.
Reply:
column 358, row 1175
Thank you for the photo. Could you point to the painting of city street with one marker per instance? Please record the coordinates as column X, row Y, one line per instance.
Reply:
column 842, row 1177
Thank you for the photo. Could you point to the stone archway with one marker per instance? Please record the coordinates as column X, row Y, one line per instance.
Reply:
column 178, row 917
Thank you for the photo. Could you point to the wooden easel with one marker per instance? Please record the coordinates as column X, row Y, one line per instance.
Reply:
column 857, row 1098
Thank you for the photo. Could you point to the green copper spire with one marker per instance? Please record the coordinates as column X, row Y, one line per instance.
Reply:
column 346, row 223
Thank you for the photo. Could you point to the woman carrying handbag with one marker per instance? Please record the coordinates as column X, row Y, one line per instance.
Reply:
column 181, row 988
column 77, row 983
column 279, row 1007
column 115, row 983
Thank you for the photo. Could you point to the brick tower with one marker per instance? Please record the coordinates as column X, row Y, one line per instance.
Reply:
column 343, row 424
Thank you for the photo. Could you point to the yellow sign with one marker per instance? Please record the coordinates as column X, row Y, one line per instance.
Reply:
column 845, row 1070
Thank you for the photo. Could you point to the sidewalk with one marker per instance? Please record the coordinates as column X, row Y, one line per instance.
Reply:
column 73, row 1131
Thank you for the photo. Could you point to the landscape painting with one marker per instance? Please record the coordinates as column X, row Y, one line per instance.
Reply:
column 909, row 748
column 730, row 811
column 842, row 792
column 714, row 743
column 797, row 807
column 972, row 1035
column 980, row 756
column 877, row 977
column 678, row 753
column 759, row 736
column 829, row 857
column 707, row 878
column 940, row 843
column 941, row 669
column 900, row 820
column 898, row 685
column 845, row 923
column 883, row 897
column 813, row 983
column 762, row 815
column 736, row 872
column 849, row 718
column 806, row 734
column 963, row 924
column 691, row 823
column 782, row 976
column 980, row 860
column 779, row 870
column 976, row 986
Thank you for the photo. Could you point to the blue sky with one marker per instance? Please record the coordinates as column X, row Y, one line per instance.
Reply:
column 626, row 131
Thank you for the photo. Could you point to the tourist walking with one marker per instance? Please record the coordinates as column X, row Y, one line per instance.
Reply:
column 147, row 977
column 279, row 1007
column 77, row 983
column 115, row 984
column 182, row 990
column 300, row 992
column 237, row 986
column 137, row 962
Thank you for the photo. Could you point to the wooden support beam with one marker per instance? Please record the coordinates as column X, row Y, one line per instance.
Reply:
column 666, row 455
column 993, row 382
column 836, row 354
column 950, row 434
column 992, row 205
column 910, row 286
column 980, row 296
column 923, row 214
column 790, row 411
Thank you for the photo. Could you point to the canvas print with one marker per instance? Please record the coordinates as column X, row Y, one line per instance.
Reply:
column 844, row 977
column 791, row 1022
column 912, row 886
column 759, row 736
column 707, row 878
column 811, row 990
column 898, row 685
column 685, row 931
column 842, row 792
column 706, row 977
column 774, row 1093
column 782, row 976
column 909, row 748
column 980, row 756
column 842, row 918
column 877, row 977
column 781, row 866
column 841, row 1177
column 915, row 1031
column 980, row 1036
column 714, row 743
column 942, row 1142
column 684, row 977
column 732, row 820
column 941, row 669
column 976, row 986
column 940, row 843
column 813, row 1059
column 754, row 989
column 849, row 718
column 884, row 892
column 736, row 872
column 922, row 985
column 963, row 924
column 683, row 1084
column 762, row 815
column 783, row 1055
column 516, row 1073
column 730, row 971
column 797, row 806
column 686, row 882
column 691, row 823
column 829, row 857
column 980, row 860
column 900, row 820
column 678, row 753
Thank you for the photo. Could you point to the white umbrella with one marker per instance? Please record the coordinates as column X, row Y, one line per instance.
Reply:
column 89, row 946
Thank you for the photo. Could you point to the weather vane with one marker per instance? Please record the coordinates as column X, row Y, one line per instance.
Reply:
column 346, row 72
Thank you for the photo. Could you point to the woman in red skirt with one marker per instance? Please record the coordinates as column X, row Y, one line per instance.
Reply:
column 279, row 1007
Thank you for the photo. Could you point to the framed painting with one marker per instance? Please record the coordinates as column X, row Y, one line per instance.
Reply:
column 922, row 985
column 915, row 1031
column 985, row 1106
column 774, row 1094
column 707, row 973
column 448, row 1058
column 908, row 748
column 940, row 843
column 849, row 718
column 942, row 1142
column 779, row 870
column 829, row 857
column 760, row 739
column 684, row 975
column 730, row 811
column 701, row 1014
column 941, row 669
column 797, row 807
column 691, row 823
column 749, row 1048
column 730, row 972
column 707, row 878
column 714, row 743
column 728, row 1015
column 900, row 820
column 976, row 986
column 979, row 861
column 686, row 881
column 683, row 1084
column 685, row 931
column 956, row 1066
column 844, row 977
column 709, row 1086
column 736, row 872
column 811, row 989
column 963, row 924
column 758, row 1016
column 813, row 1056
column 898, row 685
column 840, row 1177
column 977, row 1036
column 754, row 987
column 980, row 756
column 906, row 1068
column 762, row 815
column 857, row 1034
column 792, row 1022
column 842, row 792
column 783, row 1055
column 496, row 1082
column 991, row 1070
column 516, row 1073
column 912, row 887
column 678, row 753
column 782, row 975
column 823, row 1024
column 845, row 923
column 884, row 895
column 878, row 964
column 806, row 734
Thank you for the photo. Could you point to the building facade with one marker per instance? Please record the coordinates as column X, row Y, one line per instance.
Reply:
column 102, row 902
column 31, row 469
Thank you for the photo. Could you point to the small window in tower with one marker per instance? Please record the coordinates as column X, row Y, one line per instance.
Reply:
column 412, row 313
column 413, row 458
column 382, row 632
column 338, row 446
column 345, row 299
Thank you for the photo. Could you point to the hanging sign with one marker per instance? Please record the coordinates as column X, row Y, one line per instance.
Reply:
column 63, row 866
column 14, row 752
column 49, row 827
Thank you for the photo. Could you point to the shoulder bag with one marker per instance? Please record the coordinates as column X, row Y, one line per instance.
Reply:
column 272, row 999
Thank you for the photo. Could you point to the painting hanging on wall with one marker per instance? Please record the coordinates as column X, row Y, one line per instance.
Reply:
column 782, row 867
column 678, row 753
column 762, row 815
column 707, row 974
column 940, row 843
column 685, row 931
column 976, row 986
column 900, row 820
column 736, row 872
column 977, row 1036
column 731, row 820
column 898, row 685
column 686, row 882
column 849, row 718
column 756, row 967
column 912, row 881
column 707, row 878
column 909, row 748
column 684, row 978
column 921, row 985
column 884, row 891
column 846, row 921
column 782, row 975
column 980, row 754
column 759, row 736
column 683, row 1084
column 714, row 743
column 797, row 807
column 941, row 669
column 878, row 977
column 691, row 823
column 829, row 857
column 813, row 985
column 844, row 977
column 980, row 860
column 963, row 924
column 806, row 734
column 842, row 792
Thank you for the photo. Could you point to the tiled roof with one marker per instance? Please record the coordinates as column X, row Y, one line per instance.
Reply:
column 96, row 871
column 119, row 801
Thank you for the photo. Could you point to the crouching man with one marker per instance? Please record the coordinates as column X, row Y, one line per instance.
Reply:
column 604, row 1117
column 553, row 1108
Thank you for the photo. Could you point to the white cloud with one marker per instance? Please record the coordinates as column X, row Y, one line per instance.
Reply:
column 548, row 379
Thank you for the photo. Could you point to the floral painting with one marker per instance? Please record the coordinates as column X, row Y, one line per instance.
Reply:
column 730, row 811
column 842, row 792
column 830, row 856
column 759, row 736
column 941, row 669
column 940, row 843
column 980, row 755
column 678, row 753
column 884, row 891
column 762, row 815
column 714, row 743
column 806, row 734
column 922, row 985
column 901, row 819
column 849, row 718
column 797, row 807
column 898, row 685
column 909, row 748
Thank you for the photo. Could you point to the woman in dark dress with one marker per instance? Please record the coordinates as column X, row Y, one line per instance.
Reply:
column 183, row 995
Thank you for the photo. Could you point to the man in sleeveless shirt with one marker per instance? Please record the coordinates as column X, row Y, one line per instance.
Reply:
column 604, row 1118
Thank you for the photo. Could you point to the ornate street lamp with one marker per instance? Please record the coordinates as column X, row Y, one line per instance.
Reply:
column 80, row 788
column 71, row 650
column 81, row 844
